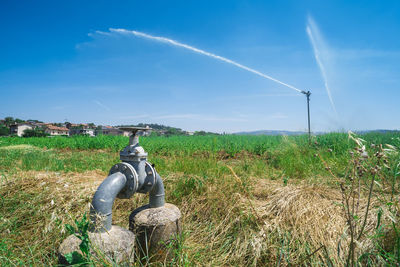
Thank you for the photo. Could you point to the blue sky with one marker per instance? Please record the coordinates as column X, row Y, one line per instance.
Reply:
column 59, row 61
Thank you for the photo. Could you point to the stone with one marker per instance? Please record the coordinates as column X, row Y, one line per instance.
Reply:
column 155, row 228
column 117, row 244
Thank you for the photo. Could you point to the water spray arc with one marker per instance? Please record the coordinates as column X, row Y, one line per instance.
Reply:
column 317, row 44
column 205, row 53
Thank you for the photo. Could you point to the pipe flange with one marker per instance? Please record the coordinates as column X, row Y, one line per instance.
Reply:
column 150, row 179
column 132, row 181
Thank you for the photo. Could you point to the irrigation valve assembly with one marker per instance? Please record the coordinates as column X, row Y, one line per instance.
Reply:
column 151, row 226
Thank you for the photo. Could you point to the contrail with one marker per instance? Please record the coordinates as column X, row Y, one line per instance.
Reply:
column 312, row 30
column 194, row 49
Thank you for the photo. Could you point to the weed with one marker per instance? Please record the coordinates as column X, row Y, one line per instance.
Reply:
column 365, row 171
column 81, row 232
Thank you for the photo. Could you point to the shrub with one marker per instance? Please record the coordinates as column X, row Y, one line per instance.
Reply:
column 34, row 133
column 4, row 130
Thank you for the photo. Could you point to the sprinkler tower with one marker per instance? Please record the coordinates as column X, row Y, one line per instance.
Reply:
column 308, row 93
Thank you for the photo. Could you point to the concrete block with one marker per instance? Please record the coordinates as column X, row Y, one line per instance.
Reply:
column 155, row 228
column 117, row 245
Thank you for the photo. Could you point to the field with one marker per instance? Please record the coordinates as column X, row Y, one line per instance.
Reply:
column 245, row 200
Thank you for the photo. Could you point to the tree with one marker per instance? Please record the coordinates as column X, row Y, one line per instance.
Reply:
column 4, row 130
column 99, row 130
column 174, row 131
column 37, row 121
column 204, row 133
column 200, row 133
column 154, row 133
column 9, row 120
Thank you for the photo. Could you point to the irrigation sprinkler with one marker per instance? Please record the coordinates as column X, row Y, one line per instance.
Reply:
column 151, row 227
column 220, row 58
column 308, row 93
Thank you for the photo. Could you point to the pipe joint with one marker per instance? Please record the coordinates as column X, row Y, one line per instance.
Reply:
column 133, row 174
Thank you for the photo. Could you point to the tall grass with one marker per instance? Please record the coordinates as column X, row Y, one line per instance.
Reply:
column 231, row 144
column 245, row 200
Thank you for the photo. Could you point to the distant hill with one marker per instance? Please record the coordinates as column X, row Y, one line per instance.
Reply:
column 278, row 132
column 377, row 131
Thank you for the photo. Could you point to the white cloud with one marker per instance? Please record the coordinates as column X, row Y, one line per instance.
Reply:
column 133, row 117
column 357, row 54
column 58, row 107
column 185, row 116
column 278, row 116
column 101, row 105
column 201, row 117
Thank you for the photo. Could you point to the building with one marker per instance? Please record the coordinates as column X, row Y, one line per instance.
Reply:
column 55, row 130
column 80, row 125
column 109, row 130
column 41, row 125
column 19, row 128
column 80, row 129
column 76, row 125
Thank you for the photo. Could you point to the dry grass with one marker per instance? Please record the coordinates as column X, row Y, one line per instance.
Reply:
column 38, row 204
column 311, row 214
column 285, row 225
column 19, row 147
column 314, row 217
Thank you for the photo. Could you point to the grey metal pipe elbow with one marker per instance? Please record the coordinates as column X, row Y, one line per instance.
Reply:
column 103, row 200
column 157, row 194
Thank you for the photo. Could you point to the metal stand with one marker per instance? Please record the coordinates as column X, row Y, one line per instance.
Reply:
column 308, row 93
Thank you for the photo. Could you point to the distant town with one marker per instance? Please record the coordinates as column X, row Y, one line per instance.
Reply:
column 10, row 126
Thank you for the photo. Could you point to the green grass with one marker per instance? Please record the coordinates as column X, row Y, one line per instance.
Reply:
column 218, row 227
column 231, row 144
column 267, row 156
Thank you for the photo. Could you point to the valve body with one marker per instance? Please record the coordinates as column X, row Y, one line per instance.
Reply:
column 133, row 174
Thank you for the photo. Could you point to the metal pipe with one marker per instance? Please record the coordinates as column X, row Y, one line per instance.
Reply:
column 157, row 195
column 103, row 200
column 308, row 110
column 308, row 93
column 133, row 140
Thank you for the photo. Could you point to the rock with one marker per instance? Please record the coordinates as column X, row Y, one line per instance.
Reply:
column 117, row 244
column 155, row 228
